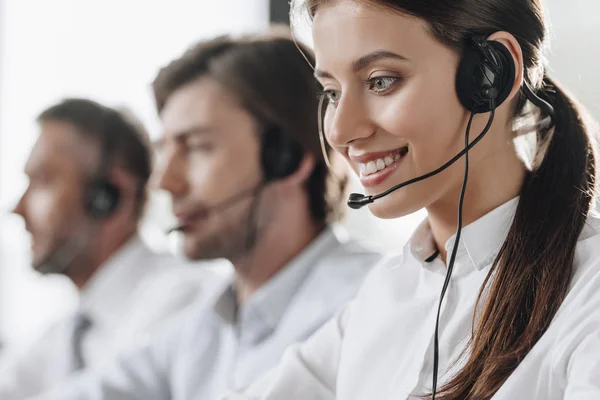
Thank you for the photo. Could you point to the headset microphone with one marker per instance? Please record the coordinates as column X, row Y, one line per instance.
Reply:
column 229, row 202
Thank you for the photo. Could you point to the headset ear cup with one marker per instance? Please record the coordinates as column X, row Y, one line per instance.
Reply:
column 507, row 79
column 102, row 199
column 473, row 84
column 280, row 155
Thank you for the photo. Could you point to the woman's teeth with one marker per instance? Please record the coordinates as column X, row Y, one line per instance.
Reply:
column 378, row 164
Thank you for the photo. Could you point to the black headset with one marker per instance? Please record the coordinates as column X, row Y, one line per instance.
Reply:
column 101, row 195
column 281, row 155
column 486, row 75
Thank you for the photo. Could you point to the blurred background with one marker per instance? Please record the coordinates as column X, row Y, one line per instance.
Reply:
column 110, row 51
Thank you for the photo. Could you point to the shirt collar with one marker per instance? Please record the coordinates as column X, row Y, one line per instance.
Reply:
column 110, row 287
column 266, row 307
column 480, row 241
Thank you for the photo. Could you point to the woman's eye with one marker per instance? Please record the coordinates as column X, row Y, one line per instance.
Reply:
column 381, row 84
column 333, row 96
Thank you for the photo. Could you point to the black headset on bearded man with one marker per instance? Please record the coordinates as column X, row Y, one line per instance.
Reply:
column 102, row 196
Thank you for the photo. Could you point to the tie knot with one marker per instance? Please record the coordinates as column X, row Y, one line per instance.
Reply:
column 82, row 322
column 82, row 325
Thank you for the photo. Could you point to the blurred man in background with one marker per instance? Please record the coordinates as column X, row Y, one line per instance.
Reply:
column 241, row 158
column 88, row 173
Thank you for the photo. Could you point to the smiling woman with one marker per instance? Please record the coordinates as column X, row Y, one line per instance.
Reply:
column 366, row 121
column 396, row 87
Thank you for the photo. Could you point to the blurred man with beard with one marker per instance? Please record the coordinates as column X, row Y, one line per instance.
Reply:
column 88, row 174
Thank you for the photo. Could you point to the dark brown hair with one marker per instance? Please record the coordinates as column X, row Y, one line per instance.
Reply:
column 267, row 73
column 530, row 277
column 129, row 142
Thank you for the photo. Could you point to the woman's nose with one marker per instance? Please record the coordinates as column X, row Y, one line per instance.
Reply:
column 347, row 122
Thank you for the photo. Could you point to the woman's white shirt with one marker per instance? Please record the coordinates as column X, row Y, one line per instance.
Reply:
column 381, row 346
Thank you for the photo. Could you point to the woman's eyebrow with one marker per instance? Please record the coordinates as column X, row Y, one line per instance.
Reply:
column 364, row 61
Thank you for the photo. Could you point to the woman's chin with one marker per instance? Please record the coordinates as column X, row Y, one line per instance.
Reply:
column 393, row 206
column 385, row 211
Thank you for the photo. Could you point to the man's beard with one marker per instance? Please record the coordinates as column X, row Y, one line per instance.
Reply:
column 234, row 239
column 64, row 253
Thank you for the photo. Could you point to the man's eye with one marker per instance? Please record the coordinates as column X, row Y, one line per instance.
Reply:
column 199, row 146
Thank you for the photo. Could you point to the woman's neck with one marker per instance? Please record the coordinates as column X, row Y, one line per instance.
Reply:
column 493, row 181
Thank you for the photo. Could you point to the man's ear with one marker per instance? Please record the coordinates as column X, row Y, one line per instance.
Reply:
column 127, row 186
column 303, row 172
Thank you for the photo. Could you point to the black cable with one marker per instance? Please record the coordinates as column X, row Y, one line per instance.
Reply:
column 440, row 169
column 455, row 245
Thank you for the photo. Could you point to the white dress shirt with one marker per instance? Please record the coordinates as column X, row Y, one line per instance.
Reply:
column 217, row 347
column 127, row 299
column 381, row 346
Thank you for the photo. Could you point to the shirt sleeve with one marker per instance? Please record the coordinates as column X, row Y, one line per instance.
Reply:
column 306, row 371
column 583, row 377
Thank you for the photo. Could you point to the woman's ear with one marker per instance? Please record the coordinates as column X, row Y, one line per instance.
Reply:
column 513, row 46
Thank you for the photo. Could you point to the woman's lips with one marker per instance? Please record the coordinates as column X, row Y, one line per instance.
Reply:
column 380, row 166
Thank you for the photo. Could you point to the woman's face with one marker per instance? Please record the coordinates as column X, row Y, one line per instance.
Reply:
column 393, row 111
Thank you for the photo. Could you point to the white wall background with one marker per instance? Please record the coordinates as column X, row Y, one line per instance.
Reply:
column 110, row 50
column 574, row 53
